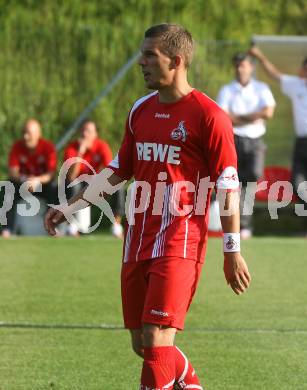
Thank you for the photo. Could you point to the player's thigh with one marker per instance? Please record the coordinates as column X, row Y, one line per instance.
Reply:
column 133, row 292
column 171, row 286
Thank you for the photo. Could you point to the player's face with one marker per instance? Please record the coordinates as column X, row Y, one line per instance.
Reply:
column 158, row 69
column 244, row 71
column 31, row 134
column 89, row 131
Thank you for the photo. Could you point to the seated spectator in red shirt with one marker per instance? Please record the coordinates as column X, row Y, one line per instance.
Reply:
column 32, row 159
column 98, row 154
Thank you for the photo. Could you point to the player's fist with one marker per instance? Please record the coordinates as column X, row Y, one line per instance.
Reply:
column 83, row 146
column 33, row 184
column 255, row 52
column 236, row 272
column 52, row 219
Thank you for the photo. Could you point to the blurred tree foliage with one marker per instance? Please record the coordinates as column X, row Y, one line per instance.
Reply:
column 57, row 55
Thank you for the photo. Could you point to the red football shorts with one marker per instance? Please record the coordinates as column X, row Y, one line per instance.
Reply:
column 158, row 291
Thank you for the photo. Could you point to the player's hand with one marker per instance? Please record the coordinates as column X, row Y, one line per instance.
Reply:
column 236, row 272
column 83, row 145
column 255, row 52
column 32, row 184
column 52, row 219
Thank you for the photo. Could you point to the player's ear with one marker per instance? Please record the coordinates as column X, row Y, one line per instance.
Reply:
column 176, row 61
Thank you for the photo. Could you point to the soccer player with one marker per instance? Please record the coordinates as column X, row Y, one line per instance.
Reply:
column 95, row 151
column 249, row 103
column 175, row 137
column 32, row 159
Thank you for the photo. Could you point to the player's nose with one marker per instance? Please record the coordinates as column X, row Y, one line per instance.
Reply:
column 141, row 60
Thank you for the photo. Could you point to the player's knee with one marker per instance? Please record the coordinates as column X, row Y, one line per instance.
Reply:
column 137, row 342
column 155, row 335
column 138, row 349
column 150, row 334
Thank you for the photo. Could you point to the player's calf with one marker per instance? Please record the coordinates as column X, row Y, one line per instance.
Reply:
column 186, row 377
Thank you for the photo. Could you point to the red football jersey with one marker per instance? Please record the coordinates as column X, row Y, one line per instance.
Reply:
column 188, row 140
column 35, row 162
column 99, row 156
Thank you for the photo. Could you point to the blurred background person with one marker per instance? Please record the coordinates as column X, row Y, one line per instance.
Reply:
column 32, row 159
column 98, row 154
column 249, row 103
column 295, row 87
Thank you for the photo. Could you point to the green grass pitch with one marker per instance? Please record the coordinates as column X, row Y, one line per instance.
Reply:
column 254, row 342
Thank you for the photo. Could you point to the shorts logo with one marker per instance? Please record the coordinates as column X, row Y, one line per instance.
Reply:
column 231, row 244
column 162, row 115
column 159, row 313
column 180, row 133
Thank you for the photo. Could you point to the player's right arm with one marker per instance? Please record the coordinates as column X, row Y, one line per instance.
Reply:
column 54, row 217
column 270, row 69
column 122, row 167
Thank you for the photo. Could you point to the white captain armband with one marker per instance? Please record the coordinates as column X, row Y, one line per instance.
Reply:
column 231, row 242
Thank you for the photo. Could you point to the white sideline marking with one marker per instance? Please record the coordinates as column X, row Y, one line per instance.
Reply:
column 105, row 326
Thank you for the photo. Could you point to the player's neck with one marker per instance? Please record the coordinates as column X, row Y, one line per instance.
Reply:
column 174, row 92
column 244, row 82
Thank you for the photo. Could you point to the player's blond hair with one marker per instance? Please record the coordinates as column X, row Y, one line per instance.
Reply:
column 175, row 39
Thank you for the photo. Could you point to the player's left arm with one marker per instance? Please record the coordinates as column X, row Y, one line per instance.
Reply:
column 235, row 268
column 222, row 159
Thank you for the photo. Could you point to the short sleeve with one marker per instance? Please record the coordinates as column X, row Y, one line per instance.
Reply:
column 266, row 96
column 51, row 158
column 122, row 164
column 14, row 157
column 220, row 150
column 223, row 98
column 288, row 84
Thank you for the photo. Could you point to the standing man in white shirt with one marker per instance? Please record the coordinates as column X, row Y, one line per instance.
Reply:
column 295, row 87
column 249, row 103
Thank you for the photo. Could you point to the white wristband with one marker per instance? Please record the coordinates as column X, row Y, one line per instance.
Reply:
column 232, row 242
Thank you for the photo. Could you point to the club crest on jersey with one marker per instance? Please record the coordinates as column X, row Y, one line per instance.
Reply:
column 180, row 133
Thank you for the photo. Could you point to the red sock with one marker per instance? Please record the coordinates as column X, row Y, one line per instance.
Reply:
column 158, row 368
column 186, row 377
